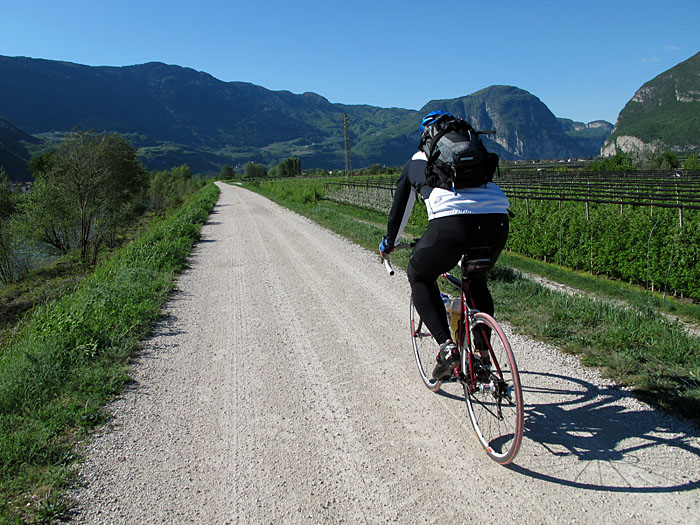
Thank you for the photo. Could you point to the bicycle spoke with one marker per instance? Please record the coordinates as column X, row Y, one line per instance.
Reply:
column 424, row 348
column 496, row 408
column 487, row 408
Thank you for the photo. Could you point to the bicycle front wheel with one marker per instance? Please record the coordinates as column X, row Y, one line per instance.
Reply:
column 425, row 348
column 495, row 400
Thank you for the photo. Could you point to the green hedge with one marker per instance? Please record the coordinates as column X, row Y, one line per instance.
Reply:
column 626, row 243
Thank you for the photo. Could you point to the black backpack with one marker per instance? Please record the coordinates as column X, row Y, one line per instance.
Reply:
column 456, row 156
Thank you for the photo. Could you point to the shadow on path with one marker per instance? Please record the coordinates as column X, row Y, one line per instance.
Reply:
column 599, row 439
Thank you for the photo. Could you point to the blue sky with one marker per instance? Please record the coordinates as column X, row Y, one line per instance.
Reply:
column 584, row 60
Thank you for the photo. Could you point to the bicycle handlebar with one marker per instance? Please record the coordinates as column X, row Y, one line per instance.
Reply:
column 385, row 257
column 387, row 265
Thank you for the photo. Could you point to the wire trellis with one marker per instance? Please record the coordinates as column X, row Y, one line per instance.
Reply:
column 661, row 189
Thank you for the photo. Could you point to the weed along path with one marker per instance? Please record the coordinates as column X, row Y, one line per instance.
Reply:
column 281, row 386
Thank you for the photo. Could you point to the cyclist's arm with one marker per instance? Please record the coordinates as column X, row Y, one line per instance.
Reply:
column 411, row 180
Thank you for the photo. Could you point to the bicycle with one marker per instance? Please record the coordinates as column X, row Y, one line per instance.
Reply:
column 491, row 383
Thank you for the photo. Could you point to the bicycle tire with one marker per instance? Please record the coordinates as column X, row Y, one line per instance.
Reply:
column 495, row 406
column 425, row 349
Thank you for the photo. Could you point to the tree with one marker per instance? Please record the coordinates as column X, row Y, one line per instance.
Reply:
column 42, row 162
column 375, row 169
column 621, row 161
column 293, row 166
column 252, row 170
column 6, row 203
column 226, row 172
column 249, row 170
column 84, row 192
column 290, row 167
column 161, row 191
column 692, row 162
column 182, row 173
column 12, row 263
column 667, row 160
column 6, row 210
column 48, row 222
column 167, row 189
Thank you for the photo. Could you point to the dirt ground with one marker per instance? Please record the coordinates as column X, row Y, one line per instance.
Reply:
column 281, row 387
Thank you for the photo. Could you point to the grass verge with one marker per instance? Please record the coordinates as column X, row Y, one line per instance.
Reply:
column 606, row 288
column 632, row 344
column 69, row 357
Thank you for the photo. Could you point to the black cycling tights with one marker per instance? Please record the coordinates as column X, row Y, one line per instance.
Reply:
column 439, row 250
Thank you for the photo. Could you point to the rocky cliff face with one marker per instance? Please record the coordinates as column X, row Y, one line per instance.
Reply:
column 663, row 114
column 525, row 127
column 569, row 126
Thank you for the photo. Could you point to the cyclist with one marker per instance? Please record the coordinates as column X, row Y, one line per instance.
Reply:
column 458, row 220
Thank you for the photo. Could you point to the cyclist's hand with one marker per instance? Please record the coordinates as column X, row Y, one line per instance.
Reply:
column 386, row 247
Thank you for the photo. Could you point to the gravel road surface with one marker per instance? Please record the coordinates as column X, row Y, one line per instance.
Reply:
column 281, row 387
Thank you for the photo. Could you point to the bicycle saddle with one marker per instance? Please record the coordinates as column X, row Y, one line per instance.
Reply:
column 476, row 260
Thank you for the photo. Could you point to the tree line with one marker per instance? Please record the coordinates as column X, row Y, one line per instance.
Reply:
column 290, row 167
column 83, row 195
column 646, row 160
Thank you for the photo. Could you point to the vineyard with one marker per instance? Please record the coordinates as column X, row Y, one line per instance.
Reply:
column 640, row 227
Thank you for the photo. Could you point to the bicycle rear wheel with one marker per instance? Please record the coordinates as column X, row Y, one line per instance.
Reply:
column 425, row 348
column 496, row 405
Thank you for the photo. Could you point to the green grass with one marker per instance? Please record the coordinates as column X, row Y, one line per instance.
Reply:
column 634, row 344
column 38, row 286
column 69, row 358
column 604, row 287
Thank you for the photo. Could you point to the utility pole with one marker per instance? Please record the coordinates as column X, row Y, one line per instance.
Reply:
column 348, row 160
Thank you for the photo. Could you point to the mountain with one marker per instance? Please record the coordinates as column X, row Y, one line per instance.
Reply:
column 174, row 114
column 179, row 112
column 14, row 156
column 663, row 114
column 525, row 127
column 591, row 135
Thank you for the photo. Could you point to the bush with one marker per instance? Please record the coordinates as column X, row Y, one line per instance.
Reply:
column 92, row 186
column 692, row 162
column 168, row 189
column 621, row 161
column 667, row 160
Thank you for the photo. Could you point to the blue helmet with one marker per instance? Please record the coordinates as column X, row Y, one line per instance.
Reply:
column 430, row 118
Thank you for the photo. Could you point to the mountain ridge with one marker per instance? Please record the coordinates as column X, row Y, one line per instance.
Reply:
column 177, row 113
column 664, row 113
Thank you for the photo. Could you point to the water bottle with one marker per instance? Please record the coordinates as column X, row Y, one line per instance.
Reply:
column 445, row 299
column 453, row 310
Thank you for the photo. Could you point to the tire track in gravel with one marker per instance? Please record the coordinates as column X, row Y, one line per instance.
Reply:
column 281, row 386
column 295, row 357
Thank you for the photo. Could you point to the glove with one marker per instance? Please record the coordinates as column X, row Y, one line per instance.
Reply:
column 386, row 247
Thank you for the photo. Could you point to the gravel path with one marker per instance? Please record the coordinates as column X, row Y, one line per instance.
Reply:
column 281, row 387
